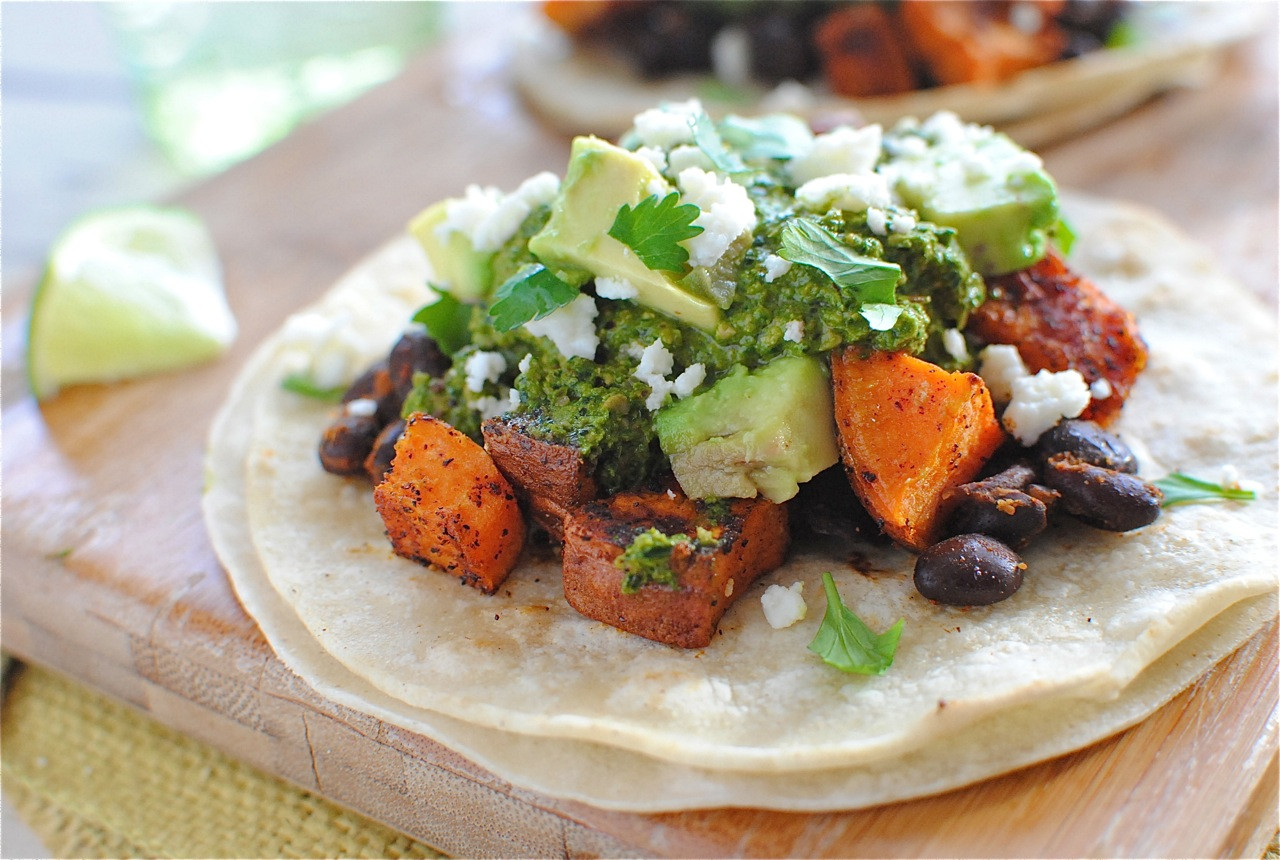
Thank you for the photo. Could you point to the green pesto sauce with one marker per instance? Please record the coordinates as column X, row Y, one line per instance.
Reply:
column 647, row 559
column 598, row 407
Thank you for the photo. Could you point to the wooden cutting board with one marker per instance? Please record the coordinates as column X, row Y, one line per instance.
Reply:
column 109, row 576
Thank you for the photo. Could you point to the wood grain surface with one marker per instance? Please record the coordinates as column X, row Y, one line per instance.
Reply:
column 109, row 576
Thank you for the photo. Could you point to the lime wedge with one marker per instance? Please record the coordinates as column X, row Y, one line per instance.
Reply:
column 127, row 292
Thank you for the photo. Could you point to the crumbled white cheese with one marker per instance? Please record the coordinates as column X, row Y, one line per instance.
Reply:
column 490, row 407
column 688, row 381
column 1026, row 18
column 657, row 187
column 794, row 331
column 903, row 223
column 841, row 150
column 684, row 157
column 525, row 363
column 877, row 221
column 362, row 407
column 513, row 399
column 788, row 97
column 1230, row 479
column 953, row 343
column 655, row 156
column 329, row 353
column 731, row 56
column 488, row 218
column 668, row 125
column 783, row 606
column 727, row 213
column 947, row 129
column 1100, row 389
column 1040, row 401
column 852, row 192
column 775, row 267
column 999, row 365
column 908, row 146
column 481, row 367
column 615, row 288
column 571, row 328
column 656, row 362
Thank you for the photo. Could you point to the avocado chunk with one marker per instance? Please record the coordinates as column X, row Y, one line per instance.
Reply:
column 996, row 195
column 766, row 431
column 600, row 179
column 457, row 267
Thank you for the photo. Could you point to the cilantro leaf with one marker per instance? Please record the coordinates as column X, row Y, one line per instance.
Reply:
column 845, row 642
column 300, row 383
column 654, row 229
column 1180, row 489
column 529, row 294
column 447, row 321
column 707, row 139
column 807, row 242
column 778, row 136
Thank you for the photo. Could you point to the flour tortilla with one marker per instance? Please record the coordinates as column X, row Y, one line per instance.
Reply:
column 1181, row 44
column 1096, row 608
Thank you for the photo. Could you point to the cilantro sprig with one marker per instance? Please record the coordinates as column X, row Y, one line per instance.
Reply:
column 1181, row 489
column 848, row 644
column 707, row 138
column 779, row 136
column 447, row 321
column 300, row 383
column 531, row 293
column 654, row 229
column 809, row 243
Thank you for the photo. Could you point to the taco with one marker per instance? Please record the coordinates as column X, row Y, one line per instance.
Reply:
column 1098, row 622
column 590, row 67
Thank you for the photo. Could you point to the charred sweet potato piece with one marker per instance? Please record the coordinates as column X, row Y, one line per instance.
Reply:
column 750, row 539
column 961, row 41
column 445, row 504
column 1060, row 321
column 577, row 16
column 550, row 479
column 910, row 431
column 862, row 52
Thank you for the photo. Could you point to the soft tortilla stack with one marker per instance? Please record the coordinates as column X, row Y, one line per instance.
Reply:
column 1105, row 630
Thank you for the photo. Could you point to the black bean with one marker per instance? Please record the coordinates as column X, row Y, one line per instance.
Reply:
column 375, row 384
column 347, row 442
column 384, row 450
column 1006, row 514
column 781, row 46
column 1089, row 443
column 829, row 510
column 1103, row 498
column 415, row 352
column 671, row 37
column 968, row 570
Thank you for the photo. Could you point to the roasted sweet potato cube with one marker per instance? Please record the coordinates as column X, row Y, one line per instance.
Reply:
column 862, row 52
column 445, row 504
column 549, row 478
column 909, row 431
column 961, row 41
column 1061, row 321
column 749, row 538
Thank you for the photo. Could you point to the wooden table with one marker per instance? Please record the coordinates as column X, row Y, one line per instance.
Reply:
column 110, row 577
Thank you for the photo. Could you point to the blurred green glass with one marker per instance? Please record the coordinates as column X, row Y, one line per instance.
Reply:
column 221, row 81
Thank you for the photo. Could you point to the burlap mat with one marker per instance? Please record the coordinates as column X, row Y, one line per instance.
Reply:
column 93, row 778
